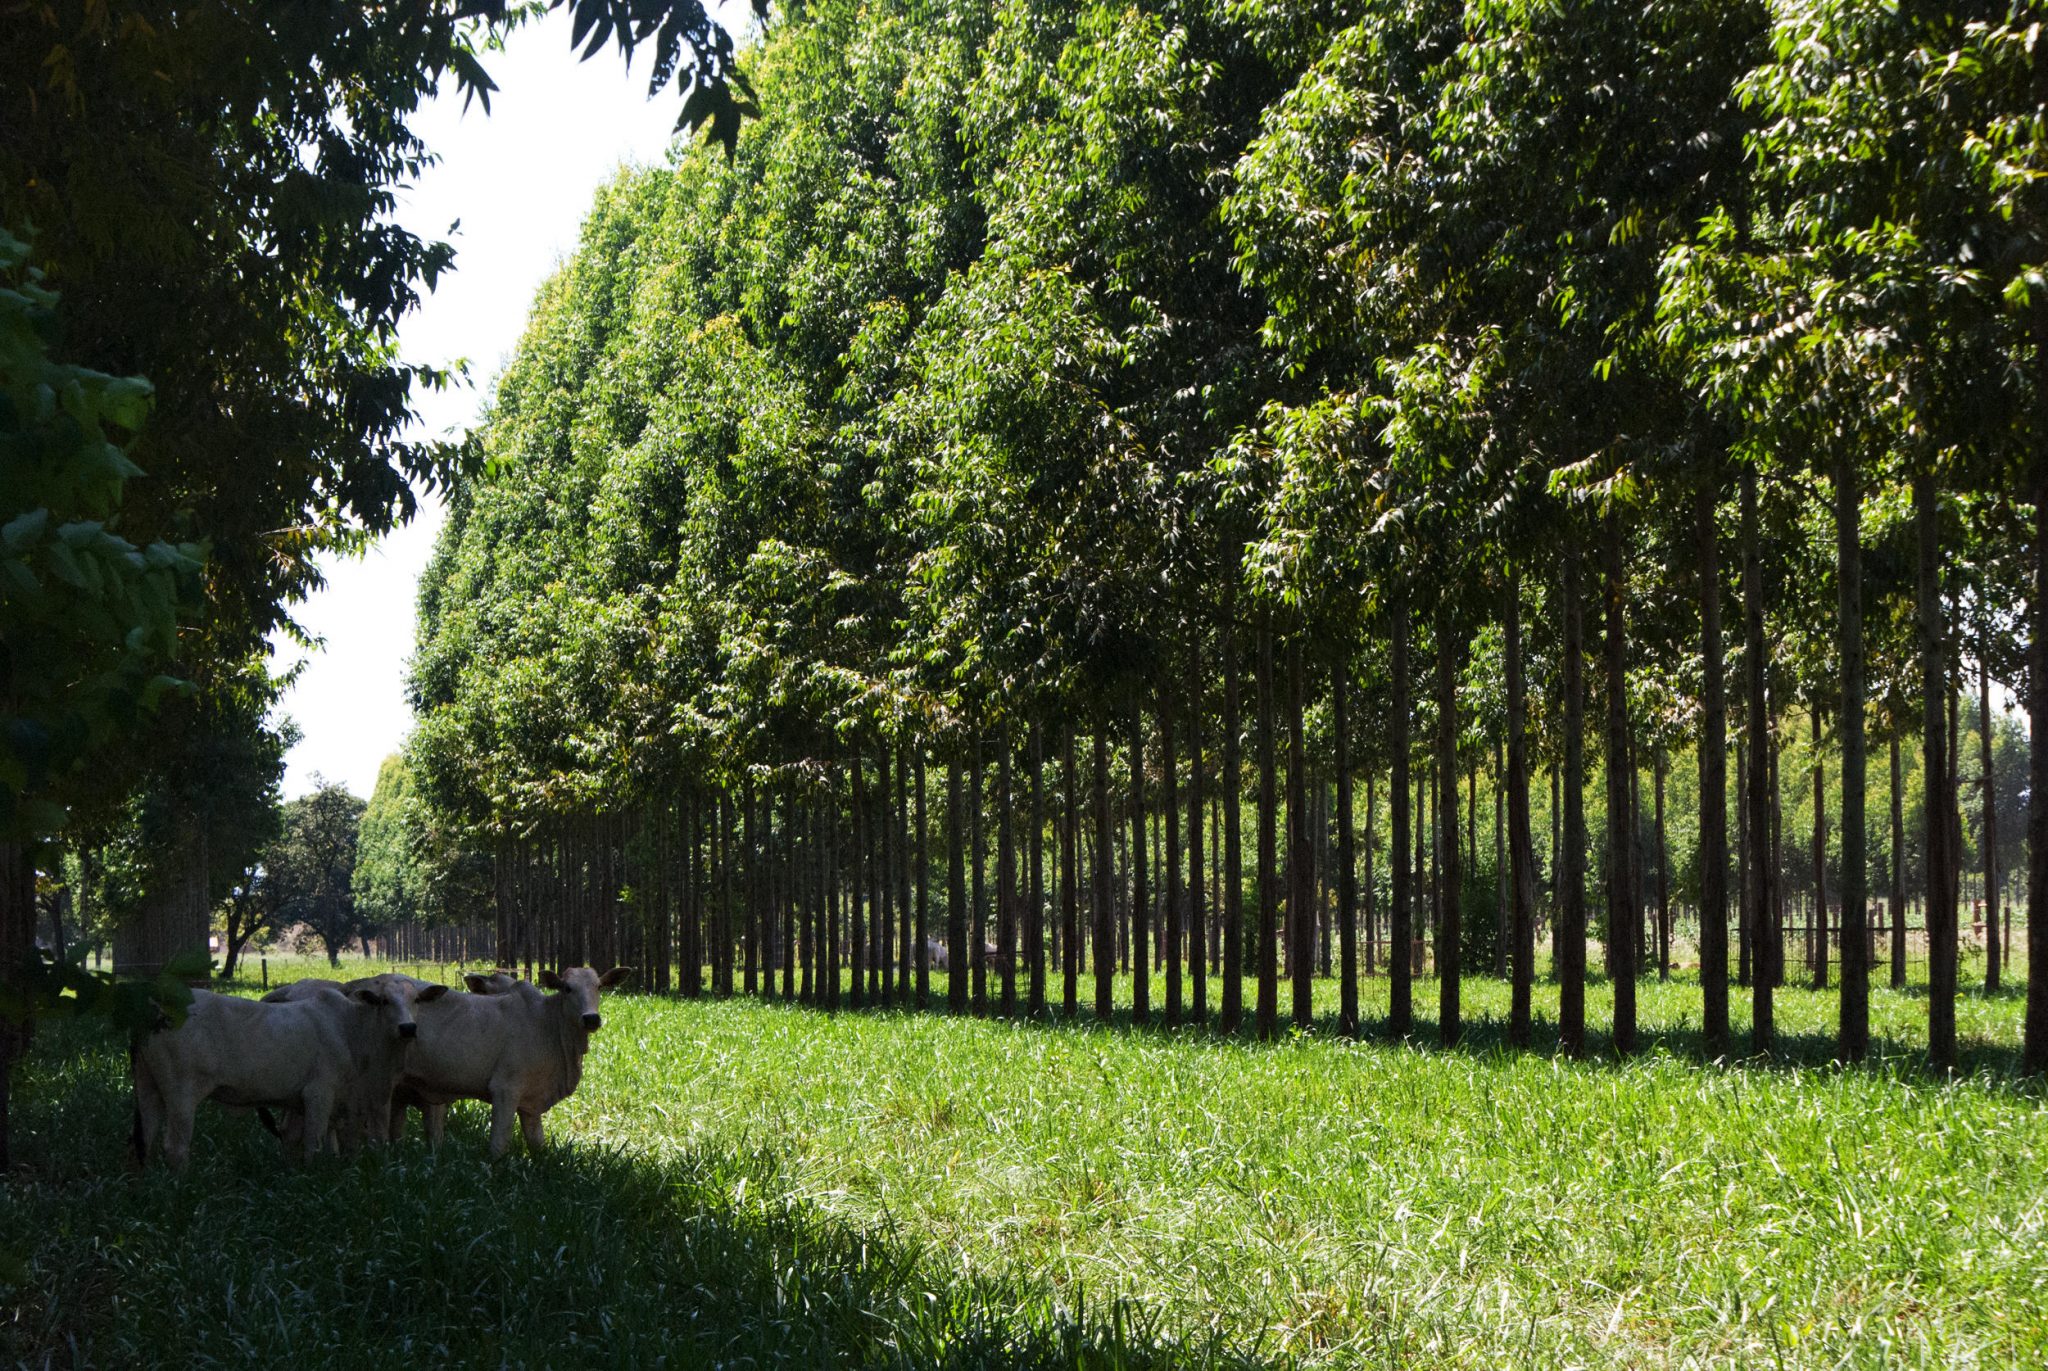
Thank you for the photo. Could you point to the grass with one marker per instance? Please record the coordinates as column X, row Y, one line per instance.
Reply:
column 744, row 1184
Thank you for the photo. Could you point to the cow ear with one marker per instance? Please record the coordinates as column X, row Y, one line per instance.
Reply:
column 618, row 975
column 367, row 995
column 550, row 981
column 475, row 982
column 432, row 992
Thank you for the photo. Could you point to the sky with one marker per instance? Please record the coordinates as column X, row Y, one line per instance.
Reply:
column 519, row 180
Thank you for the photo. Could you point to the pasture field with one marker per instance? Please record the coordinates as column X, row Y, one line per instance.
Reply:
column 743, row 1184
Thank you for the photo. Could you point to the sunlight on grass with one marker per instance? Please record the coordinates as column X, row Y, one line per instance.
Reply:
column 896, row 1188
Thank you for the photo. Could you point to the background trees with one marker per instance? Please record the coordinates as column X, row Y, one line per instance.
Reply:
column 1131, row 377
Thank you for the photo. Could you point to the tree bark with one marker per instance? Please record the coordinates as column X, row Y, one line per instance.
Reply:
column 977, row 869
column 1300, row 861
column 1170, row 929
column 1941, row 913
column 1269, row 882
column 1819, row 923
column 1198, row 962
column 1992, row 951
column 1347, row 874
column 1006, row 878
column 1105, row 927
column 1898, row 867
column 1854, row 1028
column 1713, row 774
column 1034, row 912
column 1400, row 973
column 956, row 891
column 1141, row 927
column 1763, row 1026
column 2034, row 1048
column 1521, row 854
column 1450, row 882
column 1571, row 912
column 920, row 946
column 1070, row 876
column 1621, row 895
column 1233, row 856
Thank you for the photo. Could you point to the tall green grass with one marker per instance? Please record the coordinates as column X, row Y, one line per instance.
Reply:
column 746, row 1184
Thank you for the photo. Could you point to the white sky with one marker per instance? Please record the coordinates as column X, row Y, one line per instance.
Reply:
column 520, row 180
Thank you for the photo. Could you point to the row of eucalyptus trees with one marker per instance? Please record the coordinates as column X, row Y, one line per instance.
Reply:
column 1098, row 440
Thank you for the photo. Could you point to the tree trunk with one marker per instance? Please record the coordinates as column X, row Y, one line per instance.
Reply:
column 1854, row 1028
column 1450, row 883
column 1371, row 900
column 1621, row 902
column 1663, row 877
column 1300, row 861
column 1992, row 968
column 920, row 944
column 1898, row 865
column 1713, row 780
column 1269, row 882
column 2034, row 1050
column 1521, row 854
column 1006, row 878
column 1819, row 923
column 1400, row 975
column 1941, row 914
column 1141, row 939
column 1070, row 876
column 956, row 890
column 1571, row 913
column 1105, row 927
column 1763, row 1026
column 1347, row 874
column 1198, row 962
column 1034, row 912
column 1233, row 855
column 977, row 909
column 1170, row 926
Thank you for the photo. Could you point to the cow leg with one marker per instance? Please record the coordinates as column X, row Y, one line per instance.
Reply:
column 434, row 1118
column 181, row 1104
column 319, row 1103
column 502, row 1111
column 149, row 1115
column 529, row 1124
column 394, row 1131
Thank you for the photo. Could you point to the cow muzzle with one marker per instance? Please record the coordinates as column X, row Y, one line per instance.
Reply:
column 592, row 1022
column 408, row 1031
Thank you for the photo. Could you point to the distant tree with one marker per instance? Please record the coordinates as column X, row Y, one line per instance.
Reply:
column 310, row 870
column 385, row 885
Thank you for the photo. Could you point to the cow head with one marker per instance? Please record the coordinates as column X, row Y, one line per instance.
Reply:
column 498, row 982
column 394, row 997
column 579, row 986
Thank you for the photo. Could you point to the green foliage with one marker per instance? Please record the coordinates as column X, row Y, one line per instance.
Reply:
column 309, row 872
column 88, row 620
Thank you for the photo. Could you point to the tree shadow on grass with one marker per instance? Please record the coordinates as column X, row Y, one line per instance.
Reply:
column 583, row 1256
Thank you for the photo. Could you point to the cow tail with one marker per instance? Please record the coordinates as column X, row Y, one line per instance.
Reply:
column 269, row 1121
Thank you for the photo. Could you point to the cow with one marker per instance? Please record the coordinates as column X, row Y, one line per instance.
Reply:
column 366, row 1113
column 497, row 982
column 316, row 1054
column 935, row 954
column 521, row 1052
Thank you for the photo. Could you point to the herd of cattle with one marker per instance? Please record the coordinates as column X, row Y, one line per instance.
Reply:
column 345, row 1061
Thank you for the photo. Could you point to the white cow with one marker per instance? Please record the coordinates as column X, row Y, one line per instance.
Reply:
column 310, row 1054
column 520, row 1051
column 934, row 954
column 366, row 1113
